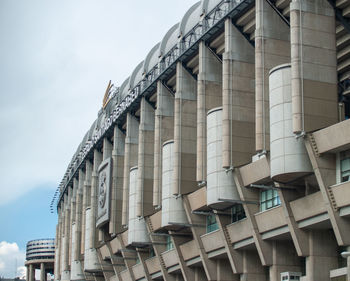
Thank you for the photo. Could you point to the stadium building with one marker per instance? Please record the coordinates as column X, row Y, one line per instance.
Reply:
column 223, row 156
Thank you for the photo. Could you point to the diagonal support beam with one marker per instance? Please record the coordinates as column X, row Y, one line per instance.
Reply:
column 264, row 248
column 300, row 237
column 187, row 273
column 209, row 265
column 158, row 249
column 324, row 168
column 126, row 255
column 142, row 257
column 235, row 257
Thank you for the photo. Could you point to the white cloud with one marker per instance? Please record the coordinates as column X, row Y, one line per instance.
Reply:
column 10, row 257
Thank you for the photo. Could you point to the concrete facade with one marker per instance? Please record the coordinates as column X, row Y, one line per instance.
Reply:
column 228, row 151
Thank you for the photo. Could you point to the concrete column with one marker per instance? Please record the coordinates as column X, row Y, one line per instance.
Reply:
column 57, row 250
column 224, row 272
column 272, row 48
column 117, row 181
column 86, row 201
column 323, row 255
column 185, row 137
column 252, row 268
column 284, row 258
column 94, row 188
column 144, row 188
column 130, row 160
column 164, row 131
column 72, row 220
column 67, row 232
column 314, row 65
column 78, row 215
column 42, row 272
column 63, row 241
column 238, row 99
column 209, row 96
column 27, row 272
column 31, row 273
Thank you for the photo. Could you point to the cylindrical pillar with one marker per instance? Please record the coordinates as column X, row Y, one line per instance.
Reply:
column 220, row 185
column 172, row 207
column 42, row 272
column 31, row 273
column 289, row 158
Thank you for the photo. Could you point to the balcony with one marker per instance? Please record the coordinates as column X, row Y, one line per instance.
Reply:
column 189, row 250
column 326, row 140
column 153, row 265
column 255, row 172
column 170, row 258
column 270, row 219
column 212, row 241
column 138, row 271
column 198, row 199
column 341, row 194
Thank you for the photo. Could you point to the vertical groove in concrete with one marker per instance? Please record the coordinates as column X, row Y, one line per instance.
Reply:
column 185, row 124
column 238, row 99
column 144, row 186
column 117, row 181
column 314, row 65
column 209, row 96
column 130, row 159
column 164, row 130
column 272, row 48
column 94, row 186
column 86, row 201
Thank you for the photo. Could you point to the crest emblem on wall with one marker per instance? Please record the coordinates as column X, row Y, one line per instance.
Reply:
column 103, row 192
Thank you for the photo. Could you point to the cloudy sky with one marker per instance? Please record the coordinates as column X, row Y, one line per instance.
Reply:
column 56, row 58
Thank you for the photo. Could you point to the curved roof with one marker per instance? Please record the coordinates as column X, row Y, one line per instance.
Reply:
column 169, row 40
column 190, row 19
column 151, row 59
column 136, row 76
column 124, row 89
column 208, row 5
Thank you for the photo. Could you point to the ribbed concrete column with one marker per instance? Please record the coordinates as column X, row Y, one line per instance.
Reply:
column 209, row 96
column 164, row 131
column 314, row 65
column 94, row 188
column 130, row 160
column 284, row 258
column 86, row 202
column 252, row 268
column 323, row 255
column 272, row 48
column 57, row 250
column 72, row 218
column 27, row 272
column 42, row 272
column 76, row 267
column 63, row 235
column 67, row 232
column 144, row 196
column 31, row 273
column 78, row 215
column 238, row 99
column 185, row 137
column 117, row 181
